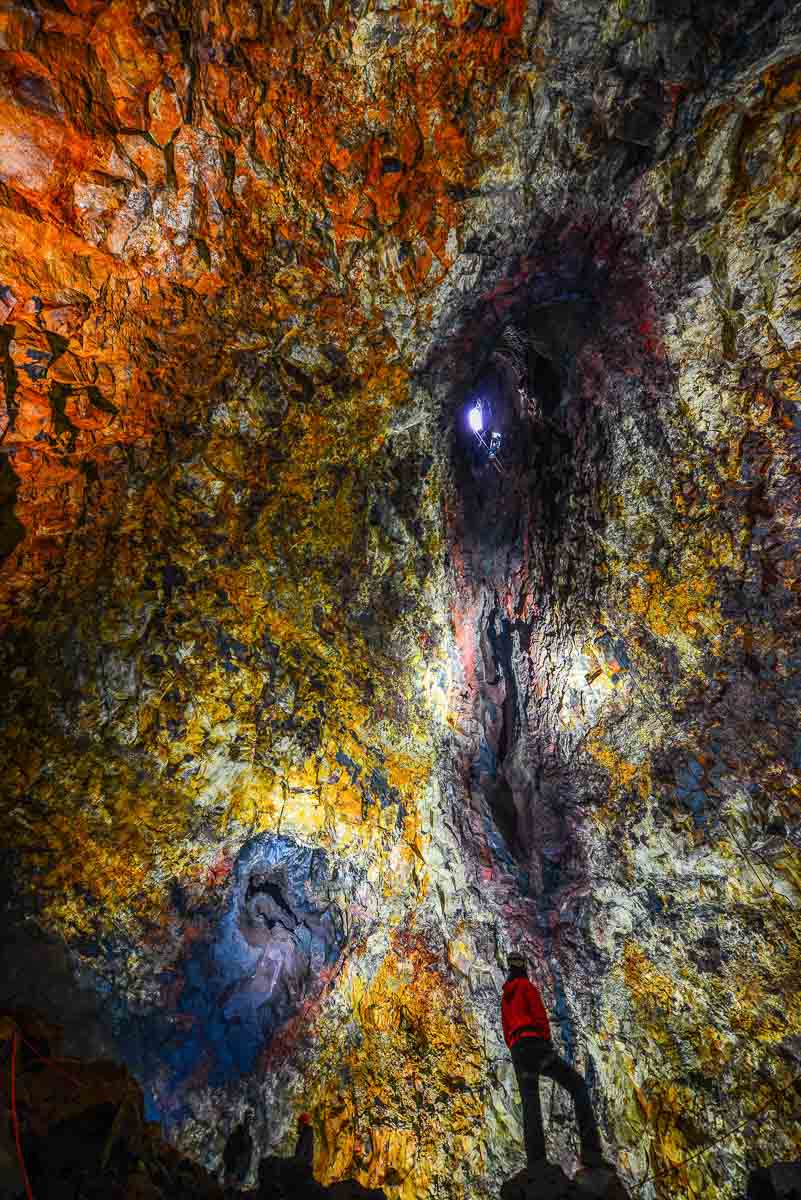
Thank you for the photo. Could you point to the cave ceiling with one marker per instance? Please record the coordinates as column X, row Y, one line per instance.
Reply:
column 311, row 710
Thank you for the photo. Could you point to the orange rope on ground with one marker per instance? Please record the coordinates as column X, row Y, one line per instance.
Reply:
column 15, row 1117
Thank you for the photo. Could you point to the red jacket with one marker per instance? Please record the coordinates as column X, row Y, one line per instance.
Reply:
column 522, row 1011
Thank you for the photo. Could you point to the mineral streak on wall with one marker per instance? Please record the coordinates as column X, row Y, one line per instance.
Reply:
column 310, row 713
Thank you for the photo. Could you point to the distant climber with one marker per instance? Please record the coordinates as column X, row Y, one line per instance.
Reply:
column 293, row 1178
column 489, row 448
column 304, row 1147
column 238, row 1153
column 528, row 1036
column 285, row 1178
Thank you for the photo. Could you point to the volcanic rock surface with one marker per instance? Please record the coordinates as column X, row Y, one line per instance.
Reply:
column 312, row 710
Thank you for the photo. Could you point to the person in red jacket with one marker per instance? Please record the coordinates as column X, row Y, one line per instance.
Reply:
column 528, row 1036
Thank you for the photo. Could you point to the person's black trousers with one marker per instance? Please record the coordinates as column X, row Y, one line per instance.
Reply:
column 532, row 1057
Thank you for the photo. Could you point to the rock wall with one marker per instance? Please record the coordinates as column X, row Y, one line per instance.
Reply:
column 310, row 711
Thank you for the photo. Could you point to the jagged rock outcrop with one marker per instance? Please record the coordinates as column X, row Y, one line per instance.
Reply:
column 780, row 1181
column 310, row 711
column 549, row 1182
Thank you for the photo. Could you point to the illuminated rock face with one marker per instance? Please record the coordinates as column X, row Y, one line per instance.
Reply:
column 243, row 975
column 313, row 712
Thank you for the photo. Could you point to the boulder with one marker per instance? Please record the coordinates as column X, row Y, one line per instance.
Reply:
column 545, row 1182
column 602, row 1182
column 549, row 1182
column 780, row 1181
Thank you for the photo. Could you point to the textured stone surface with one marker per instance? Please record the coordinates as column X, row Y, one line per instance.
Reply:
column 310, row 713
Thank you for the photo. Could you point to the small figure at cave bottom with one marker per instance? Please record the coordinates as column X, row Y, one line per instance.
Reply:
column 304, row 1147
column 238, row 1153
column 528, row 1036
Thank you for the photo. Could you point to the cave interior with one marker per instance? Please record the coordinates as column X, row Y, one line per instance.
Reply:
column 400, row 441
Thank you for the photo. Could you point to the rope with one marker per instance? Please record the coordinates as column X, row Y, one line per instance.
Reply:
column 17, row 1038
column 15, row 1115
column 51, row 1062
column 719, row 1140
column 769, row 891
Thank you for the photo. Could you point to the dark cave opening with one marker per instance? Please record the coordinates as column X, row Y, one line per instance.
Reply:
column 529, row 347
column 504, row 514
column 532, row 521
column 521, row 380
column 264, row 900
column 545, row 384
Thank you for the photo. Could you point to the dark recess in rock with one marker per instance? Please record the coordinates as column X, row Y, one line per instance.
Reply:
column 781, row 1181
column 12, row 531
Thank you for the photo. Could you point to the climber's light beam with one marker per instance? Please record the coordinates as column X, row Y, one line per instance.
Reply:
column 475, row 418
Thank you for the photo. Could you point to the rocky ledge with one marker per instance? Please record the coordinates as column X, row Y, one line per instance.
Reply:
column 549, row 1182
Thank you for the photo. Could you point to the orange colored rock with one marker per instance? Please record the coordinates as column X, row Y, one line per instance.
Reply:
column 63, row 319
column 32, row 419
column 129, row 59
column 30, row 154
column 170, row 197
column 164, row 112
column 147, row 157
column 30, row 352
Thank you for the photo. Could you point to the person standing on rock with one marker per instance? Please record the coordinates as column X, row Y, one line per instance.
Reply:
column 528, row 1035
